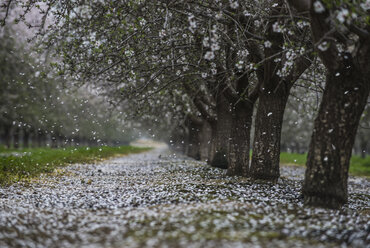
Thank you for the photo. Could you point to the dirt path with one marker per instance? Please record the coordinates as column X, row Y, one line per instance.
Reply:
column 147, row 200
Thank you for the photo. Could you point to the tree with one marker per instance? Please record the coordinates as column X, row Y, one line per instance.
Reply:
column 341, row 33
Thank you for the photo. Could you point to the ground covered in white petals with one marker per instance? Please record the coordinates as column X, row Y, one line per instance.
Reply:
column 147, row 200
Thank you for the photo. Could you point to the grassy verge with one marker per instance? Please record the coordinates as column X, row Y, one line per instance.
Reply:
column 25, row 163
column 358, row 167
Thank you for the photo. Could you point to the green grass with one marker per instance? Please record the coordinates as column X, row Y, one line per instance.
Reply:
column 358, row 167
column 35, row 161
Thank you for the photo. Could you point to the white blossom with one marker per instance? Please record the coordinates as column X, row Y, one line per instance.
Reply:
column 218, row 15
column 342, row 14
column 318, row 7
column 215, row 47
column 162, row 33
column 234, row 4
column 209, row 55
column 206, row 41
column 246, row 13
column 240, row 65
column 243, row 53
column 276, row 28
column 323, row 46
column 192, row 23
column 366, row 5
column 267, row 44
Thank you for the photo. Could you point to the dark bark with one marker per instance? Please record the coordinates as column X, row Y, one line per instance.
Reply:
column 240, row 139
column 41, row 138
column 205, row 141
column 221, row 134
column 26, row 138
column 343, row 102
column 178, row 140
column 194, row 129
column 363, row 146
column 54, row 140
column 267, row 135
column 7, row 135
column 16, row 136
column 345, row 95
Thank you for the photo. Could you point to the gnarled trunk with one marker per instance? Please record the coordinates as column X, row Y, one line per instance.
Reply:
column 240, row 139
column 266, row 145
column 343, row 102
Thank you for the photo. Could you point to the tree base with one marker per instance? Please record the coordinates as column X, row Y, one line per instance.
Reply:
column 236, row 173
column 220, row 161
column 324, row 201
column 265, row 177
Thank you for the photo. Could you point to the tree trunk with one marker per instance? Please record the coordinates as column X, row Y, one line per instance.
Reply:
column 26, row 138
column 178, row 140
column 7, row 135
column 335, row 127
column 363, row 147
column 194, row 140
column 41, row 138
column 205, row 141
column 54, row 140
column 267, row 135
column 16, row 137
column 240, row 139
column 221, row 134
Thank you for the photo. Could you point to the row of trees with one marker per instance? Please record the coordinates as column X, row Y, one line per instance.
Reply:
column 38, row 110
column 205, row 67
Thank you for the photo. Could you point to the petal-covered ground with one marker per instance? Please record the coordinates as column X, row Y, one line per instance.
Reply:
column 156, row 199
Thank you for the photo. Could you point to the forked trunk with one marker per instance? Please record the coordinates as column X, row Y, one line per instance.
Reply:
column 240, row 140
column 266, row 145
column 343, row 102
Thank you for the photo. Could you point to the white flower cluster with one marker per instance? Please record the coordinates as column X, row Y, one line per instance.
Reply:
column 302, row 24
column 192, row 23
column 142, row 22
column 129, row 53
column 219, row 16
column 290, row 55
column 240, row 65
column 246, row 13
column 162, row 33
column 243, row 53
column 211, row 43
